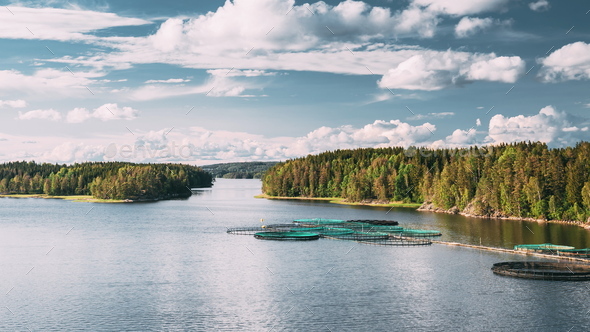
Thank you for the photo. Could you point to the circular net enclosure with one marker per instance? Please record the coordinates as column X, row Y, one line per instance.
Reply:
column 385, row 229
column 377, row 222
column 296, row 236
column 399, row 242
column 420, row 233
column 544, row 270
column 318, row 221
column 359, row 226
column 245, row 230
column 361, row 236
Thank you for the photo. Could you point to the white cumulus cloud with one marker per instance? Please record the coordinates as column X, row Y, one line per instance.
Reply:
column 170, row 80
column 539, row 6
column 105, row 112
column 549, row 126
column 48, row 114
column 58, row 24
column 570, row 62
column 438, row 70
column 19, row 103
column 47, row 83
column 454, row 7
column 469, row 26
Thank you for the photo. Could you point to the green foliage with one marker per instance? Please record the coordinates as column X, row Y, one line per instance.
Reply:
column 111, row 180
column 522, row 179
column 244, row 170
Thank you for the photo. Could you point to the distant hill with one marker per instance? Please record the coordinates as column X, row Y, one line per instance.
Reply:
column 243, row 170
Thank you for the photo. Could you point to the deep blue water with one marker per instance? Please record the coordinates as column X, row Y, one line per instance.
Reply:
column 171, row 266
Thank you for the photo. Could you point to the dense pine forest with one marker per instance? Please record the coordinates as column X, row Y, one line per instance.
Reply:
column 242, row 170
column 526, row 180
column 103, row 180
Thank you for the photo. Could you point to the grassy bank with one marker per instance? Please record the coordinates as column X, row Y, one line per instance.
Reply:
column 338, row 200
column 74, row 198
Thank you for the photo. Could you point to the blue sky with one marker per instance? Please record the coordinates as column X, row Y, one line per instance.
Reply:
column 243, row 80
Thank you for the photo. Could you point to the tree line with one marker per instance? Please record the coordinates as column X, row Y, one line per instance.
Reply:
column 240, row 170
column 527, row 179
column 104, row 180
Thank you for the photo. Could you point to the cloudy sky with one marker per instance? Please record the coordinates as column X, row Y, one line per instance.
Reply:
column 212, row 81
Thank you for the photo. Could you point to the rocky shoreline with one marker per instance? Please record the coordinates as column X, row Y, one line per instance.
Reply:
column 429, row 207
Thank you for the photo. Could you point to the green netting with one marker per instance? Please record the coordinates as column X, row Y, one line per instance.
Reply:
column 544, row 270
column 354, row 225
column 586, row 250
column 308, row 229
column 581, row 253
column 400, row 242
column 361, row 236
column 376, row 232
column 328, row 231
column 376, row 222
column 281, row 226
column 420, row 232
column 385, row 229
column 287, row 236
column 319, row 221
column 541, row 247
column 245, row 230
column 324, row 231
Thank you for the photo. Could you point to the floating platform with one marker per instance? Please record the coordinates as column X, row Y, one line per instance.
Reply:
column 543, row 248
column 543, row 270
column 580, row 253
column 295, row 236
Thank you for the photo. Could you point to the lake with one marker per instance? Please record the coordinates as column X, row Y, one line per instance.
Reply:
column 171, row 266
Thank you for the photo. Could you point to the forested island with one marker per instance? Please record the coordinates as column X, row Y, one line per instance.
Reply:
column 103, row 180
column 521, row 180
column 241, row 170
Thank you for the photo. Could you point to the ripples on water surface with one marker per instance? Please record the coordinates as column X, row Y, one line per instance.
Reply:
column 171, row 266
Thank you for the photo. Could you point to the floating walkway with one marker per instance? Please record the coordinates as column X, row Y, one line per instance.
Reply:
column 512, row 251
column 542, row 248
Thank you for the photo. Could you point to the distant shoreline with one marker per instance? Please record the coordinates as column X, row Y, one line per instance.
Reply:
column 73, row 198
column 430, row 208
column 342, row 201
column 88, row 198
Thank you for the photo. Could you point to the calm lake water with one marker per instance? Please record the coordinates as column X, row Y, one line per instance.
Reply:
column 171, row 266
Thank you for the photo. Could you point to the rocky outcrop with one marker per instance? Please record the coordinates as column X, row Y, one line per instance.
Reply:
column 469, row 211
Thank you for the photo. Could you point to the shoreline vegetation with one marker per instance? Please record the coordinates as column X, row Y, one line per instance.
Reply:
column 73, row 198
column 114, row 182
column 428, row 207
column 517, row 181
column 239, row 170
column 343, row 201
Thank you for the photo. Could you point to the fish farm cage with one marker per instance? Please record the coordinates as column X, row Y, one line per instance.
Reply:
column 545, row 248
column 579, row 253
column 296, row 236
column 543, row 270
column 375, row 232
column 399, row 242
